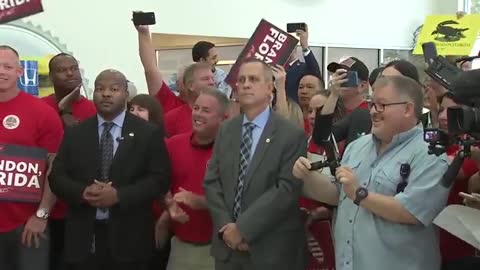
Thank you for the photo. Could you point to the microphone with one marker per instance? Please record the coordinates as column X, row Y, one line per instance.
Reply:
column 119, row 139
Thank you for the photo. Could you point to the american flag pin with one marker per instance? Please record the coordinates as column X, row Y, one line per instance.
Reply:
column 267, row 140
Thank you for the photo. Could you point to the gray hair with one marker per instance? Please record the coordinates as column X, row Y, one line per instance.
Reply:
column 406, row 87
column 221, row 98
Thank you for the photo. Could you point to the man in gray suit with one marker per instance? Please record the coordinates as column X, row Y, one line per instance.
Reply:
column 250, row 190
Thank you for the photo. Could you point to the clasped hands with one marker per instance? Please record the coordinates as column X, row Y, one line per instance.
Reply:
column 100, row 194
column 232, row 237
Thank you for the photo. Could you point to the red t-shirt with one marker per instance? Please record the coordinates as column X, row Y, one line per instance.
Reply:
column 168, row 99
column 363, row 105
column 189, row 163
column 452, row 247
column 37, row 125
column 306, row 126
column 82, row 109
column 179, row 120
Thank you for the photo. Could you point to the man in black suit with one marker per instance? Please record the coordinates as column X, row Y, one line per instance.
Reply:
column 109, row 191
column 297, row 69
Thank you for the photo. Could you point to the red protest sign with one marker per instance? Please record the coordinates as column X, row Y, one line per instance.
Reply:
column 22, row 173
column 15, row 9
column 269, row 44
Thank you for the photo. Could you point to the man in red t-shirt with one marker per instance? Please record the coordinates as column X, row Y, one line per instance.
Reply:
column 28, row 122
column 155, row 83
column 73, row 108
column 188, row 212
column 197, row 77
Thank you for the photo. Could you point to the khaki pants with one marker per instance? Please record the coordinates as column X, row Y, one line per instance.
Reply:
column 186, row 256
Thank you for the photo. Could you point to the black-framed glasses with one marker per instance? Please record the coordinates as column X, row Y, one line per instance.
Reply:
column 380, row 107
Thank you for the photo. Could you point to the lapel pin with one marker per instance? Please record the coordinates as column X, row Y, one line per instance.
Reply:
column 131, row 134
column 267, row 140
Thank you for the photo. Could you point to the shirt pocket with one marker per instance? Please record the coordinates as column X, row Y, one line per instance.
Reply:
column 388, row 179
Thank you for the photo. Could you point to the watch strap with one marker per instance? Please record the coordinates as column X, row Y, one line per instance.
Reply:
column 360, row 195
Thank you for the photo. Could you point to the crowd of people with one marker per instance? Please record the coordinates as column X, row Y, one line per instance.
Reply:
column 199, row 174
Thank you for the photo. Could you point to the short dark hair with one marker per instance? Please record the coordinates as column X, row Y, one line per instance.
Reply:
column 200, row 50
column 266, row 68
column 406, row 87
column 155, row 112
column 406, row 68
column 316, row 75
column 374, row 75
column 9, row 48
column 50, row 63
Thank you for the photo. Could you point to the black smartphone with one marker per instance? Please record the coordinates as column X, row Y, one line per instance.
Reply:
column 429, row 52
column 293, row 27
column 143, row 18
column 352, row 77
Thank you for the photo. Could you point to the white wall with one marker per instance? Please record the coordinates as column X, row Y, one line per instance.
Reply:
column 100, row 34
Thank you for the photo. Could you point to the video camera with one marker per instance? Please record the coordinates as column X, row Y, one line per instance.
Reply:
column 464, row 119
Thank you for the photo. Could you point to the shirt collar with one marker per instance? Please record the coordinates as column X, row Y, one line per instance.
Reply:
column 261, row 119
column 403, row 137
column 118, row 121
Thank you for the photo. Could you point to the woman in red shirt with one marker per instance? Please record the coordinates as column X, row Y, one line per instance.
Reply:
column 148, row 108
column 318, row 215
column 451, row 247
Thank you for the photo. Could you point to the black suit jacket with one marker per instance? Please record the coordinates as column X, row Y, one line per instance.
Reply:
column 296, row 71
column 140, row 172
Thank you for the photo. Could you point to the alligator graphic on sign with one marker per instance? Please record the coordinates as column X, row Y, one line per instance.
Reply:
column 447, row 32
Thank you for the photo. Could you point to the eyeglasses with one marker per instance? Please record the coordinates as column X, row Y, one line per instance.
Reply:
column 380, row 107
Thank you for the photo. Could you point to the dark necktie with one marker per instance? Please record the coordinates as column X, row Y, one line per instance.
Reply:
column 245, row 152
column 106, row 150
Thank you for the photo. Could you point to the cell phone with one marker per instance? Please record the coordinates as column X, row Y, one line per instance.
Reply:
column 143, row 18
column 293, row 27
column 429, row 52
column 352, row 77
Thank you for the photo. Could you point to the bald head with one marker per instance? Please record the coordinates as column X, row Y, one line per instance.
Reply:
column 112, row 74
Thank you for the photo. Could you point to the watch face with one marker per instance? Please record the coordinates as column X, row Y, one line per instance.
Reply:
column 362, row 192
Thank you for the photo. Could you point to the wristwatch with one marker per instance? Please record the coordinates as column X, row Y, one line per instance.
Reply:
column 42, row 213
column 360, row 194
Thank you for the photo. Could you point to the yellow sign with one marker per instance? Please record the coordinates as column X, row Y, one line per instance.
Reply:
column 452, row 36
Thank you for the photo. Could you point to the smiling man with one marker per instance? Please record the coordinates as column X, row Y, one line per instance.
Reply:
column 29, row 122
column 109, row 170
column 388, row 190
column 188, row 212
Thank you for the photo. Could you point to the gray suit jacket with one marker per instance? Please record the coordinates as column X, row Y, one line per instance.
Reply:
column 270, row 221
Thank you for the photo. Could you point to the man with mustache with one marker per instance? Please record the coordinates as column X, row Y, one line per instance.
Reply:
column 388, row 189
column 109, row 170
